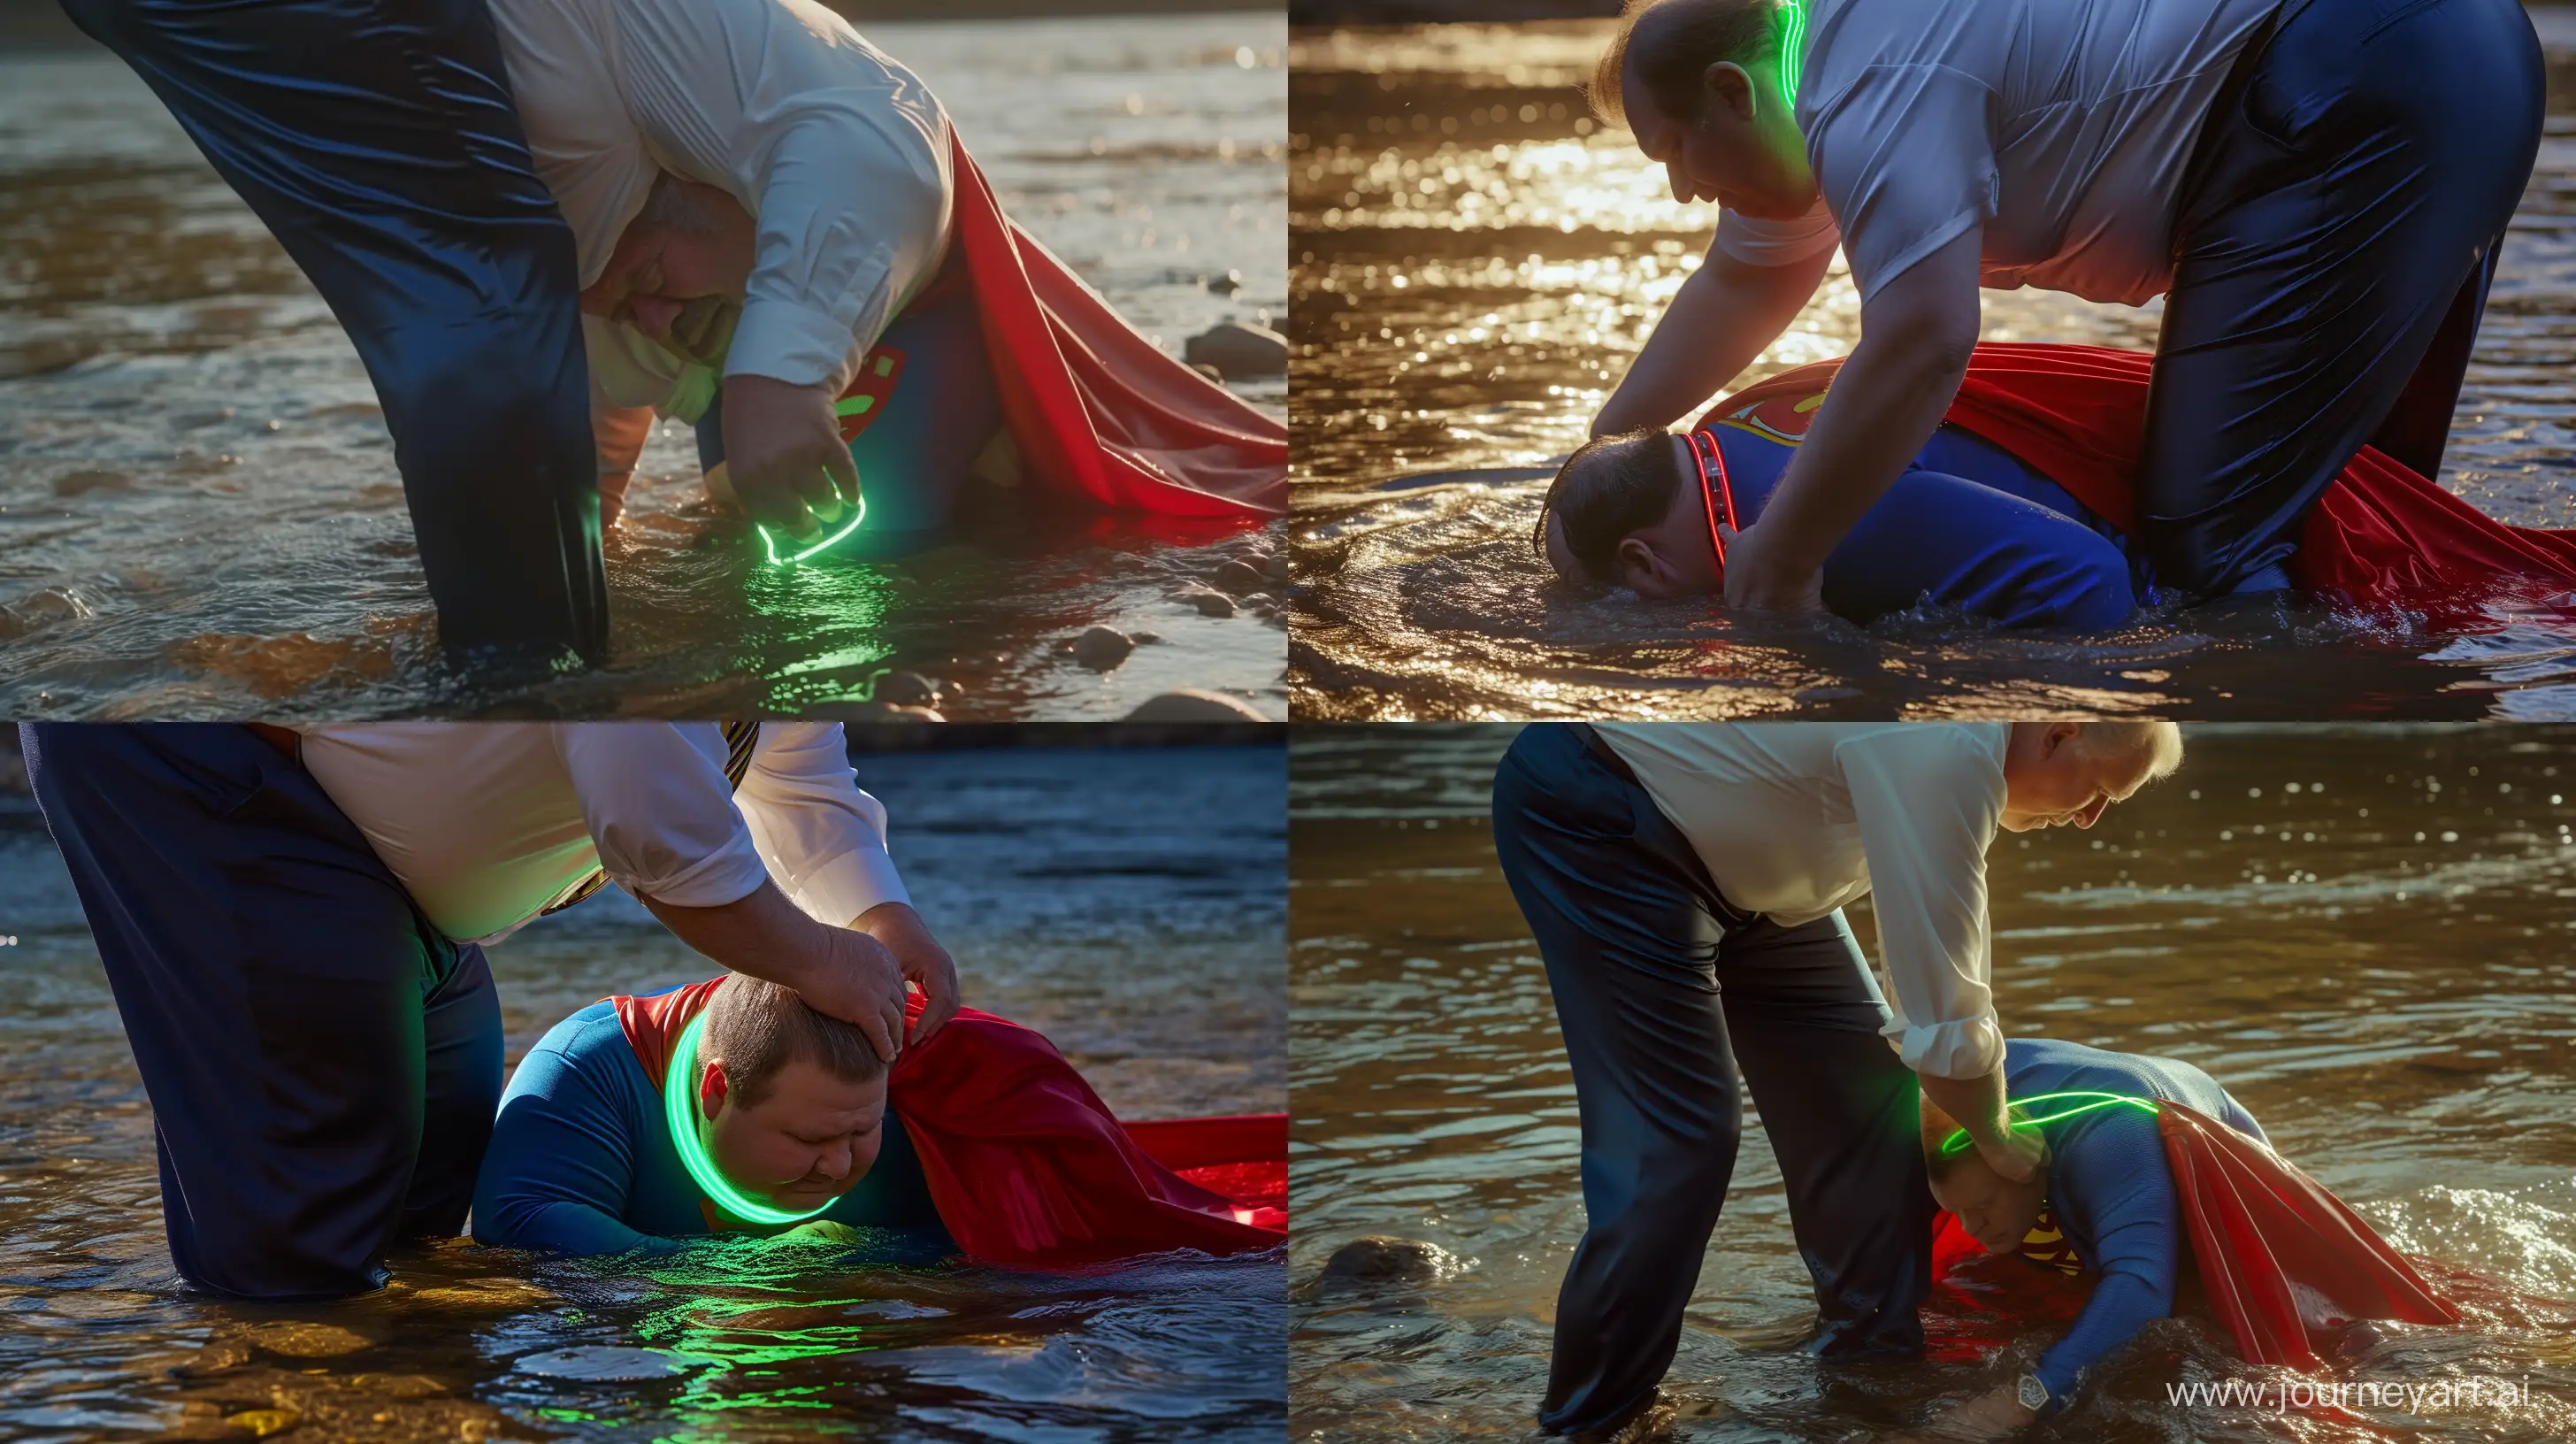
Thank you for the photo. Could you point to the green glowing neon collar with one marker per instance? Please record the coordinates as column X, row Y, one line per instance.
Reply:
column 1959, row 1141
column 679, row 1109
column 769, row 542
column 1793, row 48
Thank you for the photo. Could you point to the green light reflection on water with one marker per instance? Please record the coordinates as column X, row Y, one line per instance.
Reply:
column 830, row 615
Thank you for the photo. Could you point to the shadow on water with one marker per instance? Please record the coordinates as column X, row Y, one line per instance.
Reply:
column 200, row 517
column 2362, row 932
column 1476, row 262
column 1146, row 944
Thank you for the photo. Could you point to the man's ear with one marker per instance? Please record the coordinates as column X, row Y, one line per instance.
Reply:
column 2057, row 736
column 1725, row 83
column 712, row 1088
column 1642, row 568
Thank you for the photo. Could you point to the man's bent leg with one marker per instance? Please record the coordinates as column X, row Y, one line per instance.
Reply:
column 271, row 974
column 1840, row 1111
column 378, row 141
column 1622, row 913
column 2338, row 211
column 460, row 1094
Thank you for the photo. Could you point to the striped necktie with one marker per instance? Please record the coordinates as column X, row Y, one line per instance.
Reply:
column 741, row 740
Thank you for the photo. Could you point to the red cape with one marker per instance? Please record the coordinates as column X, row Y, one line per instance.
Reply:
column 2258, row 1226
column 1027, row 1167
column 1099, row 411
column 2380, row 534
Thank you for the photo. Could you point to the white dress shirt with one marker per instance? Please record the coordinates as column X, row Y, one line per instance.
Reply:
column 840, row 153
column 2059, row 129
column 1794, row 820
column 485, row 823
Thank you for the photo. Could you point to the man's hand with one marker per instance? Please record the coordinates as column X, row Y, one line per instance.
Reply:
column 784, row 454
column 923, row 962
column 839, row 972
column 1991, row 1415
column 824, row 1230
column 1978, row 1105
column 1757, row 581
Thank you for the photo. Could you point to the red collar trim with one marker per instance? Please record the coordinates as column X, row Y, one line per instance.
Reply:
column 1716, row 491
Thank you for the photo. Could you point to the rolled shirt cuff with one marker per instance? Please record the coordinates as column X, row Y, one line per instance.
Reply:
column 844, row 886
column 728, row 875
column 790, row 343
column 1965, row 1048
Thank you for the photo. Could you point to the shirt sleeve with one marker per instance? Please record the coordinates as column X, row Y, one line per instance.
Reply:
column 1906, row 160
column 655, row 799
column 2118, row 1190
column 1757, row 242
column 1927, row 798
column 841, row 154
column 823, row 838
column 560, row 1163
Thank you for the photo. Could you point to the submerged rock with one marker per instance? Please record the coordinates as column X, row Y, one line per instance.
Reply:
column 1102, row 648
column 1191, row 705
column 907, row 689
column 1239, row 351
column 1236, row 577
column 1380, row 1259
column 1209, row 601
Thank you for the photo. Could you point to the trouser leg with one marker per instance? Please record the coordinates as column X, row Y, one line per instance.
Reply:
column 1623, row 917
column 379, row 142
column 1841, row 1113
column 2330, row 255
column 306, row 1037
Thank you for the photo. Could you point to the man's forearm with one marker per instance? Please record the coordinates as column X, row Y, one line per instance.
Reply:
column 1722, row 317
column 1887, row 401
column 1977, row 1103
column 761, row 935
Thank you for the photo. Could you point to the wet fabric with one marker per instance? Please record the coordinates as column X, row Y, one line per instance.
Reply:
column 2380, row 535
column 1101, row 412
column 377, row 141
column 1019, row 1161
column 1967, row 526
column 1663, row 989
column 322, row 1062
column 2335, row 243
column 2196, row 1185
column 916, row 415
column 581, row 1160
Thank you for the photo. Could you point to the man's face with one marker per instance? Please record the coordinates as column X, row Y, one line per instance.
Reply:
column 1995, row 1211
column 809, row 1140
column 1740, row 149
column 2048, row 780
column 683, row 286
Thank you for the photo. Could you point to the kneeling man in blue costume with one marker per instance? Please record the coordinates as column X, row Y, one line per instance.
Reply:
column 2151, row 1168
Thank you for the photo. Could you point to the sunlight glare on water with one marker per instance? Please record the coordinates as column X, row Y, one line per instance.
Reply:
column 1475, row 262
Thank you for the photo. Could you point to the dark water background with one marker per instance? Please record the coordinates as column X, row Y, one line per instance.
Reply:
column 200, row 517
column 2362, row 932
column 1474, row 265
column 1147, row 945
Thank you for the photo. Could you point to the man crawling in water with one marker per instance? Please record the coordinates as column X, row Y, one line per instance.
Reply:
column 730, row 1107
column 2017, row 511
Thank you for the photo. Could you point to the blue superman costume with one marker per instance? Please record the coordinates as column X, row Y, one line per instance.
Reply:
column 2021, row 508
column 2138, row 1197
column 993, row 1146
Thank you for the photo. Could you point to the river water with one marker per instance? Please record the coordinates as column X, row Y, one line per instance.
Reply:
column 1476, row 262
column 1146, row 945
column 200, row 517
column 2363, row 933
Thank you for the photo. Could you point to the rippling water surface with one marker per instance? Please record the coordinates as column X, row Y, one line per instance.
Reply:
column 1476, row 263
column 1147, row 947
column 2363, row 933
column 199, row 513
